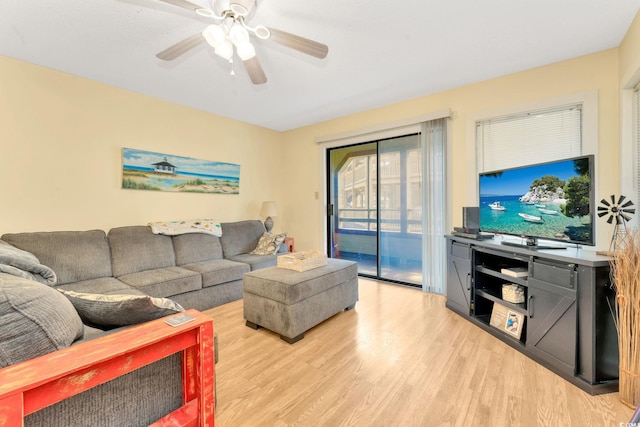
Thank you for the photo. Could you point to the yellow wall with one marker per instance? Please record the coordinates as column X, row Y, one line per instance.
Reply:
column 630, row 54
column 60, row 146
column 61, row 138
column 597, row 72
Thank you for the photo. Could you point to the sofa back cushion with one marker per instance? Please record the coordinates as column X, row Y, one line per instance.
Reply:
column 35, row 319
column 136, row 248
column 240, row 237
column 196, row 247
column 72, row 255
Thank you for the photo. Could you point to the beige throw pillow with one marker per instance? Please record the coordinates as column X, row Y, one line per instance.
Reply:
column 269, row 244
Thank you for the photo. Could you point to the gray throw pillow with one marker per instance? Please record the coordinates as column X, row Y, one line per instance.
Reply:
column 35, row 319
column 269, row 244
column 120, row 310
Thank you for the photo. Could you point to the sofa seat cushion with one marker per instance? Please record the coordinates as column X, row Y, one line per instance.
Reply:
column 164, row 282
column 196, row 247
column 219, row 271
column 105, row 285
column 136, row 248
column 72, row 255
column 35, row 319
column 120, row 310
column 256, row 262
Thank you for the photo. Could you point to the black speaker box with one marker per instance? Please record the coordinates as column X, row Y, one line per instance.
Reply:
column 471, row 217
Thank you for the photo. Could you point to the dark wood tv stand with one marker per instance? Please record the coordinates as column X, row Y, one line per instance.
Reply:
column 568, row 325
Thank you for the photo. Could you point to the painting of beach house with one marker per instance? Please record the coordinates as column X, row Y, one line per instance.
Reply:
column 146, row 170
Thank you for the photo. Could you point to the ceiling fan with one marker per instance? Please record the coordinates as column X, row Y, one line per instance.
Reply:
column 230, row 32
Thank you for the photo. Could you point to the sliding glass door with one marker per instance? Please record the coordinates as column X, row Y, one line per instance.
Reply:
column 375, row 207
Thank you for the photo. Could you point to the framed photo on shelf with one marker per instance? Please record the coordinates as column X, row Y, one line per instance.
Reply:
column 507, row 320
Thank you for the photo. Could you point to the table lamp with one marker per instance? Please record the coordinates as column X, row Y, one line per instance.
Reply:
column 268, row 210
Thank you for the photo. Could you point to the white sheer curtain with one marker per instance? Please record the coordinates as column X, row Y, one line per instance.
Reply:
column 433, row 141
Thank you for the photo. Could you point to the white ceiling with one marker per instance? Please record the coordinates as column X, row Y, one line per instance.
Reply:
column 380, row 52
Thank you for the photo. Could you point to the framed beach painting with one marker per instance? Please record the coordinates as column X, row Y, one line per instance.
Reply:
column 146, row 170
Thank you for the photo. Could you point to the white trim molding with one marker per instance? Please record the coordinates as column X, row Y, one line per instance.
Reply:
column 382, row 131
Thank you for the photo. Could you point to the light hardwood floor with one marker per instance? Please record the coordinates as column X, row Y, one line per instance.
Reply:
column 400, row 358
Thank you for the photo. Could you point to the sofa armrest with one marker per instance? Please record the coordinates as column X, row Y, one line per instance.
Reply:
column 34, row 384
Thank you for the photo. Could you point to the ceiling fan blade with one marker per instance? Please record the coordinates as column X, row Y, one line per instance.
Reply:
column 604, row 202
column 298, row 43
column 172, row 52
column 255, row 71
column 183, row 4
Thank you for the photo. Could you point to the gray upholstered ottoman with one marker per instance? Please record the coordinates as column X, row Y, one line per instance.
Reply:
column 289, row 302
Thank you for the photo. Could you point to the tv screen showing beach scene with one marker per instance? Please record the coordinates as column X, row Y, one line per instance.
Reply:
column 549, row 201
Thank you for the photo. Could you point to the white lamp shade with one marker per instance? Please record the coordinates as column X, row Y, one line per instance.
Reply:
column 245, row 51
column 238, row 34
column 268, row 209
column 225, row 49
column 215, row 35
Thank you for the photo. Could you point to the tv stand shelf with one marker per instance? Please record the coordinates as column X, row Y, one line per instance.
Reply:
column 564, row 322
column 490, row 295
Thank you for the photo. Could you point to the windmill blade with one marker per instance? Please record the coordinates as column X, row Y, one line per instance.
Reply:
column 619, row 219
column 604, row 202
column 629, row 211
column 613, row 199
column 610, row 219
column 625, row 216
column 602, row 208
column 301, row 44
column 172, row 52
column 255, row 71
column 621, row 199
column 601, row 214
column 629, row 203
column 183, row 4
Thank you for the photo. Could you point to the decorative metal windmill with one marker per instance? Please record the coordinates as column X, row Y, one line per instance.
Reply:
column 619, row 214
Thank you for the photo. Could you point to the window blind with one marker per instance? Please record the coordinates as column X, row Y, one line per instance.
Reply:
column 529, row 138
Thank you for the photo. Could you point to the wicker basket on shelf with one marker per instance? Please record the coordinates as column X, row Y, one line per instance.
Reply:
column 513, row 293
column 302, row 261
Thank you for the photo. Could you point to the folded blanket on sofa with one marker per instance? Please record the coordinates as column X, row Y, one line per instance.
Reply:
column 24, row 264
column 172, row 228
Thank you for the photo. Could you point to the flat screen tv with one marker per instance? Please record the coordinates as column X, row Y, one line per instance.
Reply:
column 550, row 201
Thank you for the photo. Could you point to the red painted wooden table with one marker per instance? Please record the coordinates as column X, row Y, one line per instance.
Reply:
column 34, row 384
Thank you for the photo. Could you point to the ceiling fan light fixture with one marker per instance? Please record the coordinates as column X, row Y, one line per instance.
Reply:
column 215, row 35
column 245, row 51
column 262, row 32
column 241, row 7
column 238, row 34
column 225, row 49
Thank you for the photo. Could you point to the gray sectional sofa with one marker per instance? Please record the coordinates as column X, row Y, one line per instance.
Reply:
column 196, row 270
